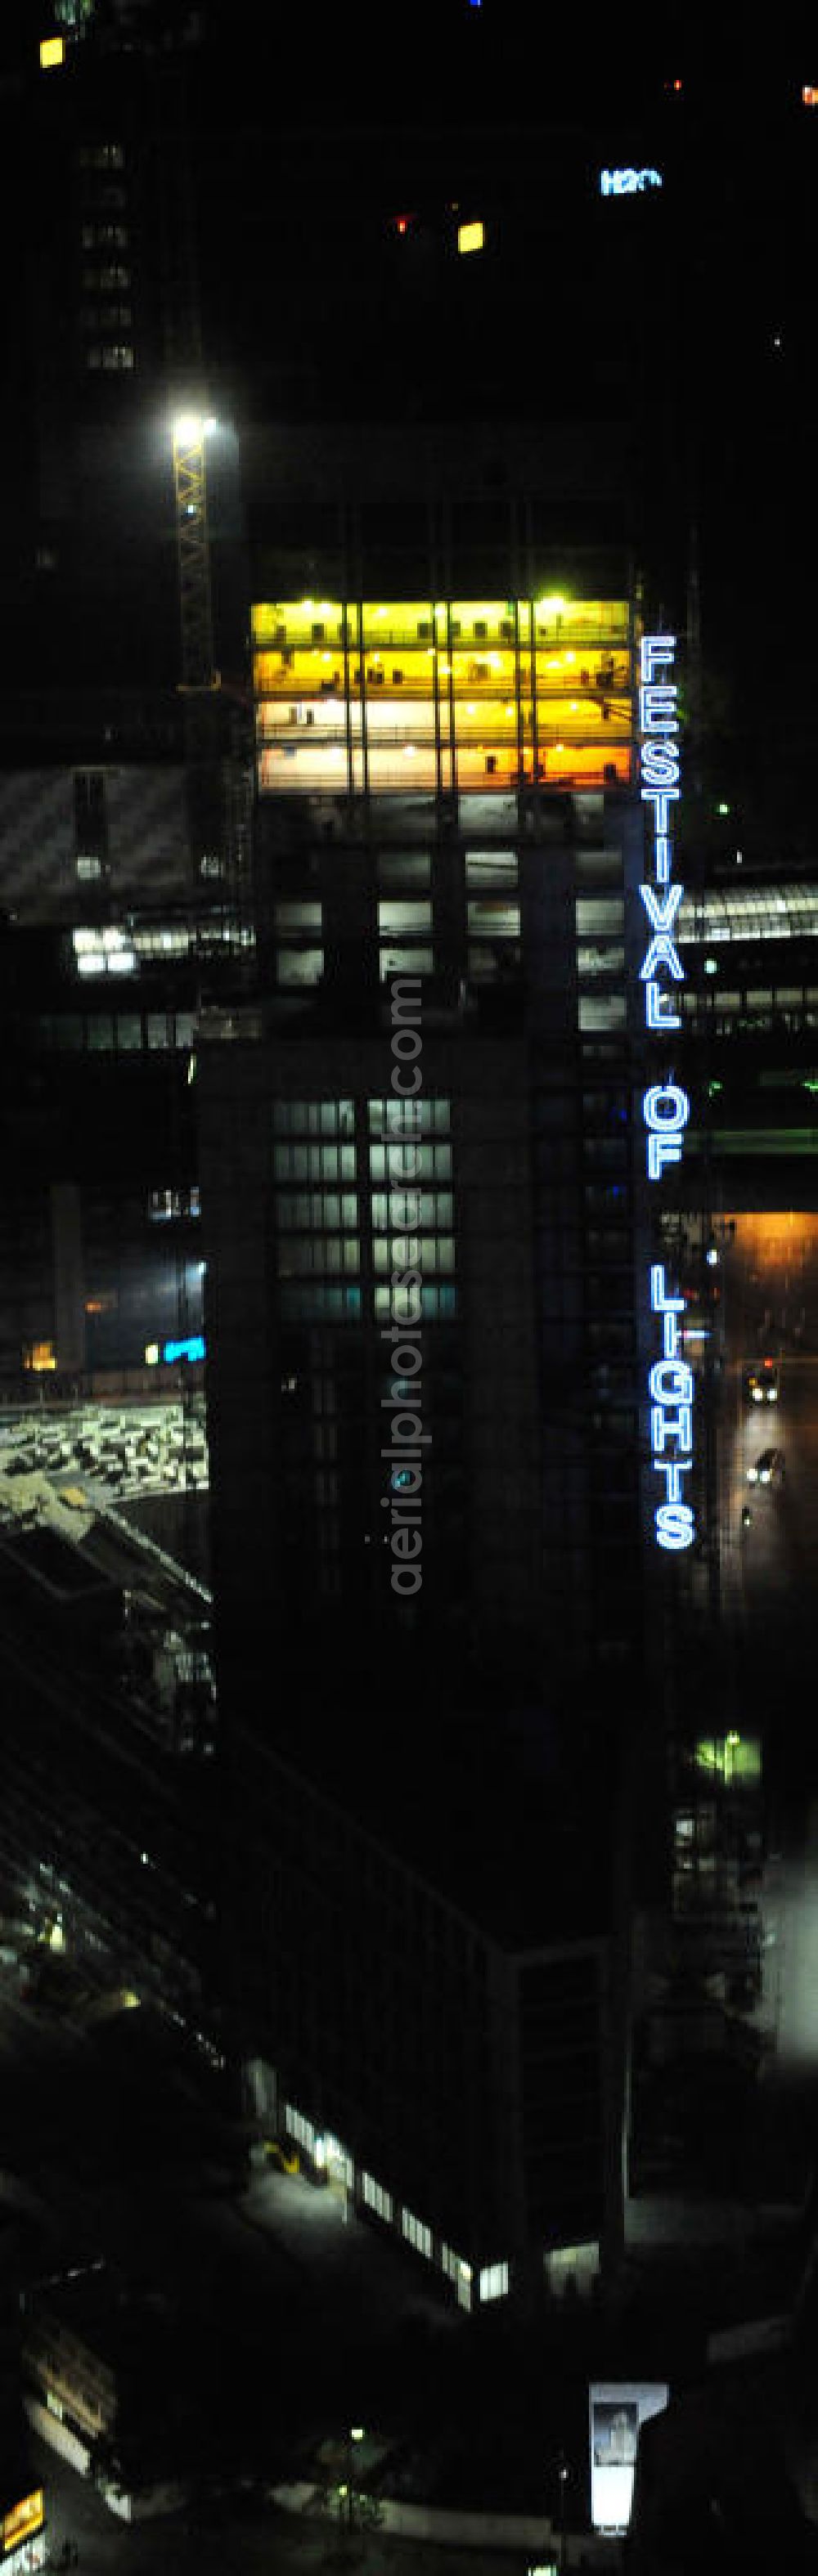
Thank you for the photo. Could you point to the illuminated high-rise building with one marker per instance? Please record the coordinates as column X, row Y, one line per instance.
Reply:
column 420, row 1193
column 444, row 804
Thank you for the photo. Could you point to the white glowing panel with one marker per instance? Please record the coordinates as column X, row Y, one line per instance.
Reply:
column 618, row 2409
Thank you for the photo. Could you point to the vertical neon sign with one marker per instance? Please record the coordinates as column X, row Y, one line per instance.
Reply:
column 665, row 1106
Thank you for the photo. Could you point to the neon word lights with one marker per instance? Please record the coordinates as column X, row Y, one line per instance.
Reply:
column 665, row 1106
column 628, row 183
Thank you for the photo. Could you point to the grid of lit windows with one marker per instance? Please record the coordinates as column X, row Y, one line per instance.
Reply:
column 412, row 696
column 122, row 1032
column 405, row 1171
column 318, row 1237
column 111, row 357
column 413, row 1244
column 748, row 911
column 754, row 1008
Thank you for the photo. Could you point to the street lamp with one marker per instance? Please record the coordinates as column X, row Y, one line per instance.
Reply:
column 354, row 2435
column 563, row 2474
column 190, row 427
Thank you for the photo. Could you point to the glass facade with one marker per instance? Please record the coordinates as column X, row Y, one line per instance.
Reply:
column 406, row 696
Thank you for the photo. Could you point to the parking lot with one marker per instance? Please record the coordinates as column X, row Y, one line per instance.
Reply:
column 92, row 1454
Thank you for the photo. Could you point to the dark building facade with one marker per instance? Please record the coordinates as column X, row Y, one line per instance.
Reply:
column 447, row 834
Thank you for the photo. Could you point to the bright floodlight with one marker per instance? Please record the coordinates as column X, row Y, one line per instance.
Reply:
column 188, row 427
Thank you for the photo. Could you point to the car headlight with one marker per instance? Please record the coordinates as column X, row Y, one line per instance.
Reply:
column 757, row 1395
column 772, row 1395
column 765, row 1476
column 752, row 1478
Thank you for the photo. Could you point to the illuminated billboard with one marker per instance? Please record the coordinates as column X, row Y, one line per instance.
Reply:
column 618, row 2409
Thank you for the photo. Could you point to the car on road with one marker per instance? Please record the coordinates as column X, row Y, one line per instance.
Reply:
column 768, row 1469
column 761, row 1384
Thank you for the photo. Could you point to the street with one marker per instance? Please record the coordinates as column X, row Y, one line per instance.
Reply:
column 769, row 1589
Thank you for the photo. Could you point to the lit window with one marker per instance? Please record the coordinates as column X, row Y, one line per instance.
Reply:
column 399, row 1210
column 298, row 2126
column 406, row 961
column 52, row 53
column 300, row 965
column 314, row 1162
column 453, row 2265
column 404, row 1252
column 494, row 2281
column 375, row 2197
column 471, row 237
column 89, row 867
column 597, row 1012
column 313, row 1118
column 395, row 917
column 494, row 920
column 322, row 1253
column 409, row 1117
column 416, row 2233
column 323, row 1209
column 809, row 96
column 491, row 868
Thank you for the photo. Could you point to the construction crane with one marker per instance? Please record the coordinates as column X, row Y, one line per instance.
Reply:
column 190, row 430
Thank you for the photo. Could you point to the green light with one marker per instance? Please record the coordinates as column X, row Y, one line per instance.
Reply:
column 722, row 809
column 713, row 1087
column 733, row 1737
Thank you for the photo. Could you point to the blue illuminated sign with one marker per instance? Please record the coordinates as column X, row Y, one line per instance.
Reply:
column 191, row 1349
column 665, row 1106
column 628, row 183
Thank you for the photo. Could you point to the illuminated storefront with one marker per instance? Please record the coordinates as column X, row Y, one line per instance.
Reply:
column 22, row 2534
column 417, row 696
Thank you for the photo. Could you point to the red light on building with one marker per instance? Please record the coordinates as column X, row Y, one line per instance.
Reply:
column 402, row 223
column 809, row 96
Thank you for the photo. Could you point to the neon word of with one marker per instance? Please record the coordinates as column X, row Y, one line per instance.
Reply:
column 665, row 1106
column 628, row 183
